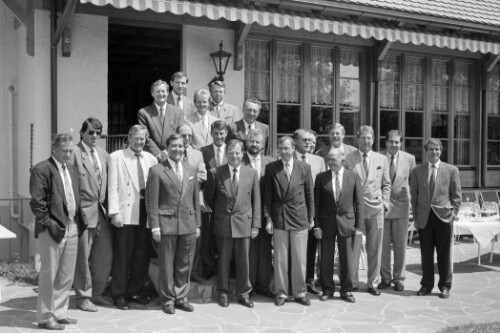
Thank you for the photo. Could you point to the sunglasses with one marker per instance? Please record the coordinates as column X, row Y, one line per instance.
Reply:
column 98, row 133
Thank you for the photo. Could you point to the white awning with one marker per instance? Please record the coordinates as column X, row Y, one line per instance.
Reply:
column 296, row 21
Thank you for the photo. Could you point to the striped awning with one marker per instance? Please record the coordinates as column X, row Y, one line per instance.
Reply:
column 300, row 21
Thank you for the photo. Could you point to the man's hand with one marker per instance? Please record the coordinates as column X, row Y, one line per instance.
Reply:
column 157, row 235
column 255, row 232
column 198, row 232
column 318, row 233
column 358, row 232
column 311, row 223
column 116, row 220
column 269, row 226
column 163, row 156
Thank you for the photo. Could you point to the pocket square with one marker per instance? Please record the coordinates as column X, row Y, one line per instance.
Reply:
column 379, row 167
column 191, row 177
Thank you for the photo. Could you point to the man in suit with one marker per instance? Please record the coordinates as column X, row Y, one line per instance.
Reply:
column 233, row 193
column 128, row 170
column 338, row 200
column 174, row 215
column 373, row 170
column 160, row 119
column 95, row 246
column 398, row 212
column 201, row 120
column 176, row 97
column 239, row 129
column 214, row 156
column 436, row 197
column 220, row 109
column 289, row 211
column 195, row 159
column 261, row 260
column 337, row 134
column 303, row 140
column 59, row 220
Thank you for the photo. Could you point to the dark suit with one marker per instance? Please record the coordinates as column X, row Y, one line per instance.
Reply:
column 290, row 205
column 338, row 221
column 261, row 257
column 433, row 215
column 58, row 236
column 95, row 247
column 235, row 214
column 158, row 132
column 188, row 106
column 174, row 207
column 237, row 130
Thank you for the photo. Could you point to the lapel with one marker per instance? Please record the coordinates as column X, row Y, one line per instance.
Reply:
column 185, row 178
column 131, row 166
column 329, row 188
column 104, row 162
column 155, row 116
column 425, row 178
column 358, row 166
column 240, row 128
column 58, row 181
column 87, row 163
column 281, row 177
column 169, row 171
column 227, row 181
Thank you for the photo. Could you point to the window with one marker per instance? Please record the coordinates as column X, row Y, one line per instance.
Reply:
column 350, row 93
column 493, row 114
column 258, row 75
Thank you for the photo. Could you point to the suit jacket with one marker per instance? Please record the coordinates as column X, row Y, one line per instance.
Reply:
column 399, row 202
column 289, row 204
column 172, row 206
column 201, row 135
column 237, row 130
column 209, row 157
column 264, row 160
column 377, row 186
column 93, row 194
column 158, row 133
column 317, row 164
column 323, row 151
column 123, row 186
column 48, row 199
column 227, row 112
column 195, row 159
column 348, row 214
column 235, row 214
column 188, row 106
column 447, row 196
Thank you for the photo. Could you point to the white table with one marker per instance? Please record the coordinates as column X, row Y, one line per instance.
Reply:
column 483, row 231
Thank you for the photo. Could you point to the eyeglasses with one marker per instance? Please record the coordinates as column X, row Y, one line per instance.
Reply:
column 98, row 133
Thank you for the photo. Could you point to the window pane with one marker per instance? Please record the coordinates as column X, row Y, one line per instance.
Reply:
column 389, row 120
column 349, row 63
column 257, row 70
column 493, row 153
column 349, row 93
column 440, row 74
column 462, row 127
column 440, row 99
column 389, row 69
column 439, row 125
column 414, row 124
column 440, row 78
column 264, row 114
column 289, row 69
column 414, row 147
column 321, row 119
column 389, row 95
column 321, row 76
column 414, row 70
column 492, row 102
column 444, row 153
column 414, row 97
column 322, row 141
column 493, row 128
column 462, row 153
column 349, row 118
column 288, row 118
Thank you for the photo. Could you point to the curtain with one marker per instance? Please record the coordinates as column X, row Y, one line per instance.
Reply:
column 322, row 75
column 389, row 87
column 414, row 84
column 257, row 70
column 289, row 73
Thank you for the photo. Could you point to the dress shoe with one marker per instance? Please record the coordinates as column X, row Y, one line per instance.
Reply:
column 67, row 321
column 223, row 301
column 184, row 306
column 384, row 285
column 141, row 299
column 279, row 301
column 311, row 288
column 169, row 309
column 246, row 302
column 122, row 303
column 348, row 297
column 325, row 296
column 86, row 305
column 398, row 286
column 423, row 291
column 445, row 293
column 51, row 324
column 303, row 300
column 374, row 291
column 198, row 279
column 101, row 300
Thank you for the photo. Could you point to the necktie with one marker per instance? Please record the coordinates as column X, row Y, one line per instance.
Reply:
column 392, row 169
column 249, row 128
column 162, row 115
column 70, row 197
column 179, row 102
column 140, row 173
column 178, row 171
column 235, row 180
column 432, row 181
column 185, row 155
column 205, row 123
column 365, row 164
column 96, row 165
column 338, row 191
column 287, row 170
column 219, row 156
column 256, row 165
column 304, row 158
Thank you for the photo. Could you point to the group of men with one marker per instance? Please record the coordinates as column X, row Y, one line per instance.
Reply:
column 197, row 180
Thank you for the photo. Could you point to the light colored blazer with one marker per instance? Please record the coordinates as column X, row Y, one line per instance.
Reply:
column 316, row 162
column 323, row 152
column 188, row 106
column 172, row 206
column 201, row 135
column 93, row 195
column 195, row 159
column 227, row 112
column 399, row 203
column 377, row 186
column 123, row 185
column 234, row 213
column 447, row 196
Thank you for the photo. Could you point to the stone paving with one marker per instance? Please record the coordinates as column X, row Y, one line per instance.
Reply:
column 475, row 297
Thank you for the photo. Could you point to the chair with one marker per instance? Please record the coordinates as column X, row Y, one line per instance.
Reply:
column 485, row 196
column 470, row 197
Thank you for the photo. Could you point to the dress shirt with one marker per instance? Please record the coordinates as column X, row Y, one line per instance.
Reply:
column 204, row 120
column 238, row 168
column 177, row 167
column 290, row 168
column 302, row 158
column 176, row 98
column 430, row 169
column 256, row 162
column 367, row 156
column 134, row 165
column 94, row 156
column 341, row 177
column 61, row 173
column 161, row 109
column 396, row 158
column 223, row 151
column 252, row 125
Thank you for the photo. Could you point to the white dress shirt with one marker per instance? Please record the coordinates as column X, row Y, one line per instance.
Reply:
column 341, row 177
column 93, row 156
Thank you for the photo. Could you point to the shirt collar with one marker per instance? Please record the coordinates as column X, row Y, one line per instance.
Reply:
column 395, row 155
column 231, row 168
column 201, row 116
column 87, row 148
column 218, row 104
column 172, row 162
column 175, row 95
column 59, row 164
column 291, row 162
column 141, row 154
column 367, row 154
column 222, row 147
column 251, row 157
column 246, row 124
column 341, row 172
column 436, row 164
column 159, row 107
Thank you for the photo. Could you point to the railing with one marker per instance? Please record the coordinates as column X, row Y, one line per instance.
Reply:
column 116, row 142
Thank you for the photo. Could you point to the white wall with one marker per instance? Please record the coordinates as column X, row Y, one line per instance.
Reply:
column 197, row 44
